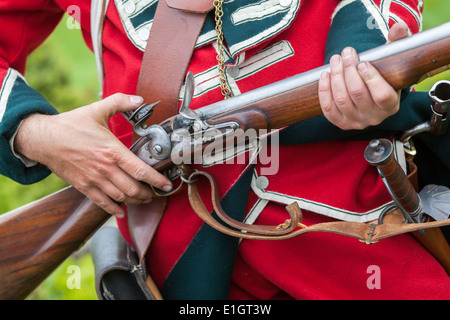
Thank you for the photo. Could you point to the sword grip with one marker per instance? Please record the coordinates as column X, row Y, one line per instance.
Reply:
column 400, row 185
column 379, row 153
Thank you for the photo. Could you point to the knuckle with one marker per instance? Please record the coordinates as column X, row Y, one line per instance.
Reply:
column 323, row 86
column 323, row 89
column 107, row 155
column 102, row 203
column 385, row 98
column 326, row 106
column 132, row 192
column 120, row 197
column 336, row 73
column 340, row 100
column 108, row 205
column 118, row 98
column 102, row 170
column 341, row 123
column 357, row 92
column 359, row 126
column 83, row 186
column 374, row 121
column 348, row 124
column 354, row 125
column 139, row 173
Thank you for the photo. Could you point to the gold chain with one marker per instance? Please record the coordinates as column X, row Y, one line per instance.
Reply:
column 226, row 92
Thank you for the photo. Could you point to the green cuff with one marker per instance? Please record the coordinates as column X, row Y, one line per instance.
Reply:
column 18, row 102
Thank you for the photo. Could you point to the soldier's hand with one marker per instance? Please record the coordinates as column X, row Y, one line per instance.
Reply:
column 354, row 95
column 79, row 147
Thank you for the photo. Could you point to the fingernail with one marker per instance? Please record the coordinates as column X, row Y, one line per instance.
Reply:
column 335, row 60
column 136, row 99
column 167, row 188
column 362, row 67
column 347, row 53
column 324, row 75
column 120, row 215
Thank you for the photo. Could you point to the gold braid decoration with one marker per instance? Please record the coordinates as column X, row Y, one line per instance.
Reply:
column 226, row 92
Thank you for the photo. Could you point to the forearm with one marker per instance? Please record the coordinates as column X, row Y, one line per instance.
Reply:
column 25, row 143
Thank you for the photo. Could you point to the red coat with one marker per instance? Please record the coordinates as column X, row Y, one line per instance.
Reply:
column 330, row 178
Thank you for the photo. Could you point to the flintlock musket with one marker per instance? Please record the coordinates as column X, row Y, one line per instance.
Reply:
column 36, row 238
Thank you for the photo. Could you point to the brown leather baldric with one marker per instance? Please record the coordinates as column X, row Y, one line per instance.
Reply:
column 172, row 39
column 173, row 35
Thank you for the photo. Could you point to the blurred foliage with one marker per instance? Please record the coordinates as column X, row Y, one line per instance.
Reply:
column 63, row 70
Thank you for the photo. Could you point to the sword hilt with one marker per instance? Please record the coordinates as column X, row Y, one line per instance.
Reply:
column 379, row 153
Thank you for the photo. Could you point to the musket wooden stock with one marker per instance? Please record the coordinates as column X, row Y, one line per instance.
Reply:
column 35, row 239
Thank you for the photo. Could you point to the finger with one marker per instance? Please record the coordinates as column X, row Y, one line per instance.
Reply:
column 106, row 203
column 127, row 194
column 383, row 95
column 133, row 191
column 398, row 31
column 121, row 186
column 356, row 87
column 333, row 114
column 141, row 171
column 116, row 103
column 341, row 97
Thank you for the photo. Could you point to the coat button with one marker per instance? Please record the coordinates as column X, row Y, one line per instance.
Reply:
column 233, row 71
column 144, row 34
column 130, row 7
column 262, row 182
column 285, row 3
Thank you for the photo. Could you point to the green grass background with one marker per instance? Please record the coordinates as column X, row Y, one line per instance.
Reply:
column 64, row 71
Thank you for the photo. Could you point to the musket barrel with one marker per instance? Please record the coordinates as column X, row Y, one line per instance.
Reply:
column 402, row 63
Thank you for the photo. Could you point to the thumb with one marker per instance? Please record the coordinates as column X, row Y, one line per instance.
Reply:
column 398, row 31
column 116, row 103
